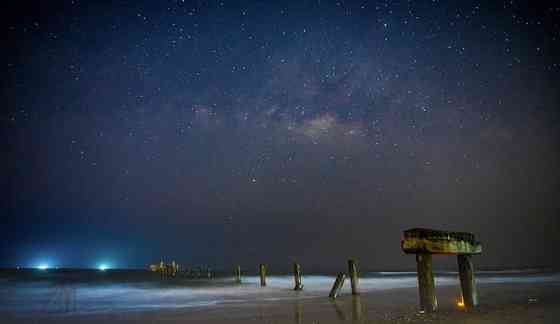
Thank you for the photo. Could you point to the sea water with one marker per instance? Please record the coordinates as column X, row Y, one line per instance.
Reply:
column 30, row 292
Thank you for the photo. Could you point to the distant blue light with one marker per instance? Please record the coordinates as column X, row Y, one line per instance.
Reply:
column 103, row 267
column 43, row 266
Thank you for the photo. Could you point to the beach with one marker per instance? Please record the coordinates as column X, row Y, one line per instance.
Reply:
column 503, row 299
column 501, row 304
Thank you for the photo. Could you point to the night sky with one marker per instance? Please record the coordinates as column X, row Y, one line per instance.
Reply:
column 246, row 132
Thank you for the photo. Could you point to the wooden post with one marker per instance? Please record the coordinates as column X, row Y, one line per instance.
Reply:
column 238, row 274
column 426, row 285
column 338, row 283
column 353, row 273
column 297, row 277
column 262, row 273
column 466, row 275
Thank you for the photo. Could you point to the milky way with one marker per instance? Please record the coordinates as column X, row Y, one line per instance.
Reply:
column 249, row 132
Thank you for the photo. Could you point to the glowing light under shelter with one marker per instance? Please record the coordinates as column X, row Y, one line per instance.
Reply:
column 461, row 303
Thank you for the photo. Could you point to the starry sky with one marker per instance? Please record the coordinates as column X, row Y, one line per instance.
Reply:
column 249, row 131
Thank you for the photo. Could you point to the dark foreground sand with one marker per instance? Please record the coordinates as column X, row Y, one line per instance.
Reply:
column 512, row 303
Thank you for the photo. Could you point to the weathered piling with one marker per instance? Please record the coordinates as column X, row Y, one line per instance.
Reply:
column 426, row 285
column 238, row 274
column 297, row 277
column 466, row 275
column 353, row 274
column 338, row 283
column 262, row 274
column 424, row 242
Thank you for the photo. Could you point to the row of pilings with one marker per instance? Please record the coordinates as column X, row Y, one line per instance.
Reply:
column 423, row 242
column 428, row 301
column 298, row 283
column 427, row 298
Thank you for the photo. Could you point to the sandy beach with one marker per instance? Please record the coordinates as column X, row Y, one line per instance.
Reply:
column 499, row 303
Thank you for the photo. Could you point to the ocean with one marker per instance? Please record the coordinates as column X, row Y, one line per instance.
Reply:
column 29, row 292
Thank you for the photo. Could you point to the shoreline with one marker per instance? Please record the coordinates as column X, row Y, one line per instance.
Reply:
column 499, row 303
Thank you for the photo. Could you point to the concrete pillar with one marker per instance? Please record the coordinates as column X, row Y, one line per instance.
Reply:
column 466, row 275
column 262, row 273
column 353, row 274
column 297, row 277
column 426, row 285
column 338, row 283
column 238, row 274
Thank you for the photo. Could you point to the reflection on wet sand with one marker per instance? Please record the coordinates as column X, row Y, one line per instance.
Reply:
column 356, row 308
column 339, row 312
column 298, row 310
column 342, row 309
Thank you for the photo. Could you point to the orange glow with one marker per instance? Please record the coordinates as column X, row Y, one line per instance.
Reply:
column 461, row 303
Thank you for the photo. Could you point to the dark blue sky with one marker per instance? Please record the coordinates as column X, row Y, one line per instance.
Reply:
column 222, row 132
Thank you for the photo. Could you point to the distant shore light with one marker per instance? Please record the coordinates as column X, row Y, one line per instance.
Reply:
column 43, row 266
column 103, row 267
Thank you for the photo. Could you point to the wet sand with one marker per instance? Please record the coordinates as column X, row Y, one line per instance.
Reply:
column 500, row 303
